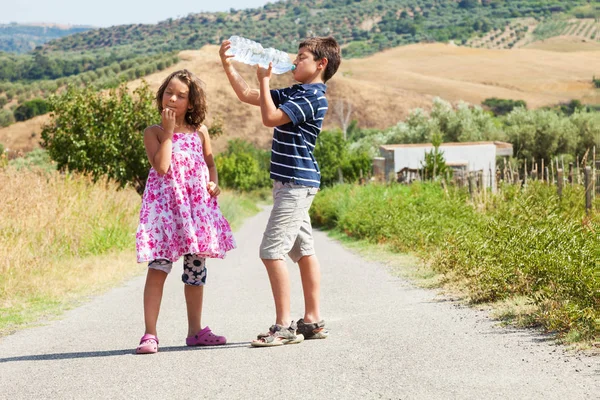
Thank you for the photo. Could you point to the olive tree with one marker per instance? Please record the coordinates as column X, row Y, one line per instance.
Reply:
column 101, row 133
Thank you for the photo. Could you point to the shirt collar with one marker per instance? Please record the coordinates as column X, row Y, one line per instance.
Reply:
column 312, row 86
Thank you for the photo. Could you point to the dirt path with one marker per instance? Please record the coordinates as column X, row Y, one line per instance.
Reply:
column 389, row 340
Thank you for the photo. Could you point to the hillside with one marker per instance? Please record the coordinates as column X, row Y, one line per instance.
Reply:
column 383, row 88
column 105, row 57
column 533, row 33
column 23, row 38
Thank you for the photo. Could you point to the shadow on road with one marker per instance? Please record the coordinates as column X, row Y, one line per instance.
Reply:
column 109, row 353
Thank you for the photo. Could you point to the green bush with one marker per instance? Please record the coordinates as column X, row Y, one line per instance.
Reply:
column 334, row 155
column 503, row 106
column 30, row 109
column 35, row 159
column 6, row 118
column 243, row 167
column 100, row 134
column 522, row 242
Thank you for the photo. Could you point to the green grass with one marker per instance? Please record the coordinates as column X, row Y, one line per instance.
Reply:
column 519, row 243
column 64, row 238
column 24, row 314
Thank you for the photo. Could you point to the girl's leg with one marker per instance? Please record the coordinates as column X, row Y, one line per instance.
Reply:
column 194, row 278
column 193, row 300
column 153, row 291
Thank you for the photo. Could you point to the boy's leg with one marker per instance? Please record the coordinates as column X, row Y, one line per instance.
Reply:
column 310, row 273
column 311, row 326
column 290, row 202
column 280, row 286
column 279, row 237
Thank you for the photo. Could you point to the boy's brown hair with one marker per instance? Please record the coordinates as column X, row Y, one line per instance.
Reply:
column 324, row 47
column 196, row 96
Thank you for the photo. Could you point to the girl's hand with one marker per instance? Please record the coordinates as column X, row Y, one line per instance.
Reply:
column 168, row 120
column 213, row 189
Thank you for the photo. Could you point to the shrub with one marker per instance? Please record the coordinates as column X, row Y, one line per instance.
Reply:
column 334, row 155
column 6, row 118
column 30, row 109
column 243, row 167
column 503, row 106
column 101, row 134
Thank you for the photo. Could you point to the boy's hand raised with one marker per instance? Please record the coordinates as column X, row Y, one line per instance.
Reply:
column 225, row 58
column 263, row 73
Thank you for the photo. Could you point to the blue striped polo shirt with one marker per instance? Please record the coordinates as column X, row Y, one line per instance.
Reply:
column 292, row 158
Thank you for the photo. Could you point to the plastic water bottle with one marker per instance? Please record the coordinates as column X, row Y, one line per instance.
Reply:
column 252, row 53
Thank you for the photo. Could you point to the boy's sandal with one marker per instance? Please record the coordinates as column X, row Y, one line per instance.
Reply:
column 205, row 338
column 277, row 336
column 276, row 340
column 148, row 344
column 313, row 330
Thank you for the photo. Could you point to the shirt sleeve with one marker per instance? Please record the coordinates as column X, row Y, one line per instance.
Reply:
column 276, row 96
column 301, row 108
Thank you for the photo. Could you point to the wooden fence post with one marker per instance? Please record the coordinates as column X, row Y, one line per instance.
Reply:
column 594, row 172
column 587, row 179
column 571, row 173
column 559, row 182
column 471, row 189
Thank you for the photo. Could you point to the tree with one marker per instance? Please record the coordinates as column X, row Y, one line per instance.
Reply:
column 31, row 109
column 434, row 164
column 503, row 106
column 101, row 134
column 468, row 3
column 243, row 167
column 343, row 111
column 333, row 154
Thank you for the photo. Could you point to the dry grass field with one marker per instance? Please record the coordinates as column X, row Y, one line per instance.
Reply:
column 566, row 44
column 383, row 88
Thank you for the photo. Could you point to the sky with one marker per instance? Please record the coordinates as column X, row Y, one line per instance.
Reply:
column 104, row 13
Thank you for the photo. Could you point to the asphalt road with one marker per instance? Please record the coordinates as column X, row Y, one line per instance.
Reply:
column 389, row 340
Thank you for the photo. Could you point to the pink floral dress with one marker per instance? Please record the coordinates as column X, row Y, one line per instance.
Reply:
column 178, row 215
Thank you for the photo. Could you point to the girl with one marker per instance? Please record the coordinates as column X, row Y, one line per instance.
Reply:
column 179, row 214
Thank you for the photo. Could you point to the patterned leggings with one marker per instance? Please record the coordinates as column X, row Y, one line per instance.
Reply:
column 194, row 269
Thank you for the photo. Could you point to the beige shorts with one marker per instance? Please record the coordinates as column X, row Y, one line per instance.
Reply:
column 289, row 230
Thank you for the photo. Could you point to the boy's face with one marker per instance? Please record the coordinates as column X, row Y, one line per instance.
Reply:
column 306, row 66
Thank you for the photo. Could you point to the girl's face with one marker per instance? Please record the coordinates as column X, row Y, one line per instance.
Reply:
column 176, row 97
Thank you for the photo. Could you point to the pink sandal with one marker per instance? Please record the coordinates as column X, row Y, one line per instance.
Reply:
column 205, row 338
column 148, row 344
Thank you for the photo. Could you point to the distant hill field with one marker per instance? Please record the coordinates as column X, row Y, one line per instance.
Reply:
column 566, row 44
column 22, row 38
column 383, row 88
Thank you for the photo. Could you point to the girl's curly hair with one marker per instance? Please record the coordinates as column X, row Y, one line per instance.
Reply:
column 196, row 97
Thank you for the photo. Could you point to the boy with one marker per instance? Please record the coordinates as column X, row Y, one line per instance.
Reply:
column 297, row 115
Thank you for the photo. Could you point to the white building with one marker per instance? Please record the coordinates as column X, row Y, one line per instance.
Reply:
column 470, row 156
